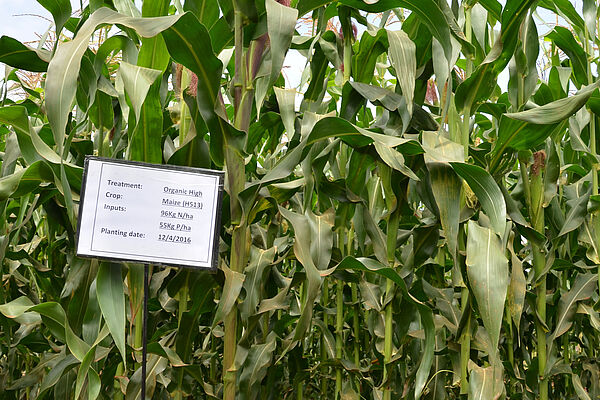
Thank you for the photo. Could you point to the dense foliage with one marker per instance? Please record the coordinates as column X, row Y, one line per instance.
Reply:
column 402, row 224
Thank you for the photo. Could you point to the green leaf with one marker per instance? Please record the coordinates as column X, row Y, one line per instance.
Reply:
column 60, row 10
column 83, row 370
column 286, row 100
column 351, row 134
column 94, row 384
column 255, row 280
column 402, row 54
column 377, row 238
column 54, row 317
column 17, row 55
column 202, row 294
column 305, row 6
column 577, row 211
column 207, row 11
column 146, row 135
column 303, row 241
column 482, row 82
column 579, row 389
column 590, row 11
column 25, row 181
column 552, row 172
column 563, row 39
column 582, row 289
column 556, row 111
column 221, row 35
column 255, row 367
column 111, row 298
column 446, row 187
column 565, row 9
column 370, row 295
column 370, row 47
column 65, row 363
column 233, row 286
column 281, row 22
column 520, row 135
column 484, row 383
column 493, row 7
column 321, row 230
column 137, row 81
column 394, row 159
column 380, row 96
column 487, row 269
column 516, row 289
column 17, row 117
column 198, row 56
column 487, row 191
column 127, row 7
column 63, row 70
column 440, row 149
column 16, row 308
column 372, row 266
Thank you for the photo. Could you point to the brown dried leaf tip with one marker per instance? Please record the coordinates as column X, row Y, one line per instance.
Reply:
column 539, row 162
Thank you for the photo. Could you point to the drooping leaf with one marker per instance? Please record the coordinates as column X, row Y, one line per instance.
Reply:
column 520, row 135
column 61, row 81
column 198, row 56
column 487, row 269
column 402, row 53
column 16, row 307
column 482, row 82
column 556, row 111
column 436, row 15
column 583, row 287
column 321, row 230
column 137, row 82
column 487, row 191
column 60, row 10
column 281, row 21
column 380, row 96
column 528, row 129
column 565, row 9
column 563, row 38
column 446, row 187
column 233, row 285
column 372, row 266
column 18, row 55
column 577, row 211
column 302, row 250
column 516, row 289
column 111, row 298
column 254, row 282
column 25, row 181
column 255, row 367
column 484, row 383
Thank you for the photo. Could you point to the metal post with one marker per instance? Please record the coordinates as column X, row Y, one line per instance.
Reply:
column 144, row 332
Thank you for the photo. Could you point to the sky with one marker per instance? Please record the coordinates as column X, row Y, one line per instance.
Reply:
column 25, row 19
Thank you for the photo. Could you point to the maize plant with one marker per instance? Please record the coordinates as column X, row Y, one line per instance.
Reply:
column 417, row 217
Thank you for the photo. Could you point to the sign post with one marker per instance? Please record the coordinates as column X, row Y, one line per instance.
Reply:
column 151, row 214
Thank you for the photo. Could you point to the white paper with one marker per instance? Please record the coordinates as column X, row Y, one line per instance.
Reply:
column 138, row 213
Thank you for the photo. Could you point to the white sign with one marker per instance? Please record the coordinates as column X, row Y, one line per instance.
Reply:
column 150, row 213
